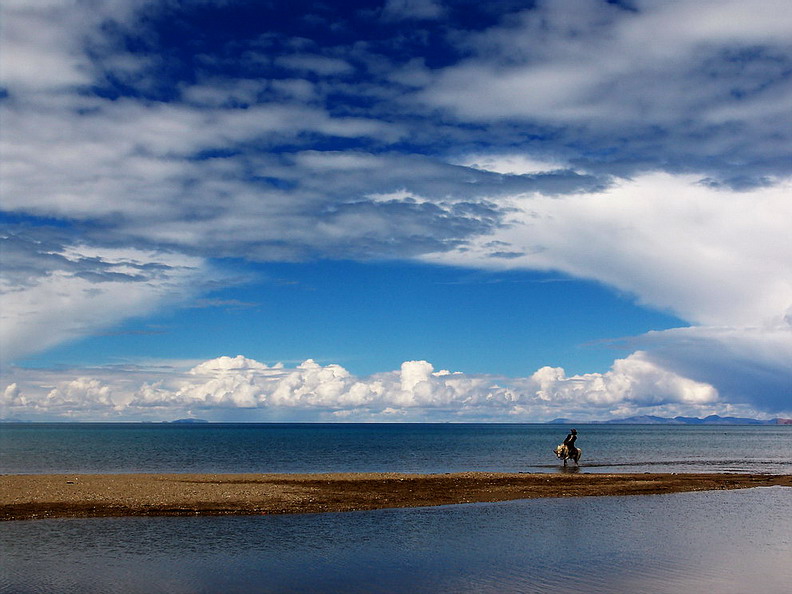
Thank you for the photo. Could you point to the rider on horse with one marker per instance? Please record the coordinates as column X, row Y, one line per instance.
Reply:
column 569, row 442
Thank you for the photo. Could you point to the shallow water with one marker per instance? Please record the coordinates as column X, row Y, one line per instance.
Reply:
column 724, row 541
column 423, row 448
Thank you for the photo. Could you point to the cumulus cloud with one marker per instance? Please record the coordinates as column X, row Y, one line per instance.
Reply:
column 717, row 259
column 750, row 365
column 81, row 394
column 634, row 379
column 244, row 389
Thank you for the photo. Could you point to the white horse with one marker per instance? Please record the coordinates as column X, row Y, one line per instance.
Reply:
column 562, row 453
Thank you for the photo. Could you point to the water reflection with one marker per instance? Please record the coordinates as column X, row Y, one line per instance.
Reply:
column 732, row 541
column 569, row 469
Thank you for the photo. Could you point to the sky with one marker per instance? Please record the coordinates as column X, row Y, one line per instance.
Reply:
column 395, row 210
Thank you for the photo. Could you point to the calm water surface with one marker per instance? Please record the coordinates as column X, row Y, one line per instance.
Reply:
column 725, row 541
column 423, row 448
column 734, row 541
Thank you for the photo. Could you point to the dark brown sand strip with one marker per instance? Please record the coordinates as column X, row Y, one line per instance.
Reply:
column 91, row 495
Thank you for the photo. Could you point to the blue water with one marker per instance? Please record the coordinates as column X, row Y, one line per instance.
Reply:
column 733, row 541
column 420, row 448
column 721, row 541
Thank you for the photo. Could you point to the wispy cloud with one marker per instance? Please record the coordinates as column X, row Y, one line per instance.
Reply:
column 53, row 293
column 699, row 86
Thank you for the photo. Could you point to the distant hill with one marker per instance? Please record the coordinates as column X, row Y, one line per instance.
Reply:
column 653, row 420
column 189, row 421
column 710, row 420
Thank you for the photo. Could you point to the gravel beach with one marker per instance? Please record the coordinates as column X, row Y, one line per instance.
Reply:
column 94, row 495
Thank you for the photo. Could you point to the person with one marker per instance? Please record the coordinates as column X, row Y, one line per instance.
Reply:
column 569, row 442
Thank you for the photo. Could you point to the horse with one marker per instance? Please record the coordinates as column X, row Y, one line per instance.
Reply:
column 562, row 453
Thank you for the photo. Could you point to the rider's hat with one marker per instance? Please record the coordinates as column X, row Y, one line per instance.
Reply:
column 574, row 431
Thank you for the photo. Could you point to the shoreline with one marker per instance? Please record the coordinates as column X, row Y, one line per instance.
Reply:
column 25, row 497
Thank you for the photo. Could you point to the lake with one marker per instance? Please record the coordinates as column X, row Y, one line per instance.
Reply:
column 723, row 541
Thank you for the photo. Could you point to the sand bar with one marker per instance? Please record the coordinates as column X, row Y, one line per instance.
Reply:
column 94, row 495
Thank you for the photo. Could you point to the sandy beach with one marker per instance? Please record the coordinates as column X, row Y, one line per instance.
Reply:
column 96, row 495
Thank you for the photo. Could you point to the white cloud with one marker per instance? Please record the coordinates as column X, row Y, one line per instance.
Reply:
column 749, row 365
column 513, row 164
column 712, row 257
column 44, row 41
column 12, row 397
column 593, row 62
column 634, row 379
column 225, row 364
column 137, row 160
column 126, row 155
column 39, row 52
column 80, row 395
column 677, row 86
column 84, row 290
column 245, row 389
column 718, row 259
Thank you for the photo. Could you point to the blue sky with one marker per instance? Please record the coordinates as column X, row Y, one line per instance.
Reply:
column 395, row 210
column 373, row 316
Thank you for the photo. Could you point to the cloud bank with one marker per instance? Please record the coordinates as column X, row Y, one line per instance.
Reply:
column 242, row 389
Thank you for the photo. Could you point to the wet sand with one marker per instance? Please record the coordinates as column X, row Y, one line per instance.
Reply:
column 102, row 495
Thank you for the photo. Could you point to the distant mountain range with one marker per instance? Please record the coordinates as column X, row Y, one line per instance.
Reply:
column 639, row 420
column 652, row 420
